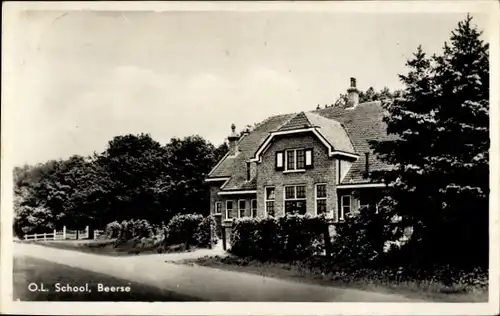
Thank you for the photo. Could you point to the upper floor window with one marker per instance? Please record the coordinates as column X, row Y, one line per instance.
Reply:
column 295, row 199
column 269, row 199
column 294, row 159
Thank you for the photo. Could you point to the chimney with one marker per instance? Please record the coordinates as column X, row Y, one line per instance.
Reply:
column 233, row 140
column 353, row 94
column 367, row 164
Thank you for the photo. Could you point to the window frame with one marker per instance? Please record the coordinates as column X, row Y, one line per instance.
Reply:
column 341, row 209
column 240, row 209
column 269, row 200
column 215, row 208
column 227, row 209
column 295, row 167
column 253, row 210
column 316, row 198
column 285, row 199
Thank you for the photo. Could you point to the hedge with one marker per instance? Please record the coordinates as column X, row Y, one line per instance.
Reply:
column 192, row 230
column 284, row 238
column 189, row 230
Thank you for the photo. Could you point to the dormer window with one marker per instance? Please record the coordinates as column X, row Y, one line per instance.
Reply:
column 294, row 160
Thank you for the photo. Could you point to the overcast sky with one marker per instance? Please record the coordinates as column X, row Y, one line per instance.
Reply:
column 85, row 77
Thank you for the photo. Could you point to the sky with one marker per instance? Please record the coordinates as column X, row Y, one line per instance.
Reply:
column 83, row 77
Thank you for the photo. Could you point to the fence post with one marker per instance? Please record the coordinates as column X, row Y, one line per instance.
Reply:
column 55, row 233
column 87, row 232
column 44, row 236
column 64, row 232
column 35, row 236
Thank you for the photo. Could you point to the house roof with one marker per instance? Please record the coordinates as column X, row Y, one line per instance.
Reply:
column 349, row 130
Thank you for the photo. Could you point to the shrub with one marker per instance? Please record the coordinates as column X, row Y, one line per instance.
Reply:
column 113, row 229
column 134, row 229
column 191, row 230
column 286, row 238
column 206, row 232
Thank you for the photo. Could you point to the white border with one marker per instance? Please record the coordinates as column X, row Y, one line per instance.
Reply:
column 331, row 151
column 237, row 192
column 10, row 23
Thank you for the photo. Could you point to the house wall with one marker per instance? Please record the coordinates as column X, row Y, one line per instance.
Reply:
column 324, row 171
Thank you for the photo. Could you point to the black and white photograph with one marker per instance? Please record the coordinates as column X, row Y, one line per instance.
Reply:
column 237, row 152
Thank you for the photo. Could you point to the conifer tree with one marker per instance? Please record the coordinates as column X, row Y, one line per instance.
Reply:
column 441, row 175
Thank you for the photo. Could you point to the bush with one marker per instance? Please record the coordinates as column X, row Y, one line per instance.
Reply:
column 191, row 230
column 206, row 232
column 133, row 229
column 286, row 238
column 113, row 230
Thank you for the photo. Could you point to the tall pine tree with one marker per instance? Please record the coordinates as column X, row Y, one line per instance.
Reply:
column 441, row 175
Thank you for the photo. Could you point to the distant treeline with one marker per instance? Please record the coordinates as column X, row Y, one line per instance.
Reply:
column 135, row 177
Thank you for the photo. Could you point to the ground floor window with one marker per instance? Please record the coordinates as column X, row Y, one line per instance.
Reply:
column 269, row 199
column 295, row 199
column 345, row 206
column 218, row 207
column 241, row 208
column 254, row 208
column 320, row 199
column 229, row 209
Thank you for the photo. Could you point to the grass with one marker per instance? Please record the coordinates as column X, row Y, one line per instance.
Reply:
column 30, row 270
column 108, row 247
column 423, row 290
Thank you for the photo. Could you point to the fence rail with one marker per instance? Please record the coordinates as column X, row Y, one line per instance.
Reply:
column 60, row 235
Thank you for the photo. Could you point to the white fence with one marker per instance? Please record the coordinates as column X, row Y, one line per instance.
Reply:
column 65, row 234
column 97, row 233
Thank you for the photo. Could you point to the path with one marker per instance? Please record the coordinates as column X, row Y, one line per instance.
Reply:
column 201, row 282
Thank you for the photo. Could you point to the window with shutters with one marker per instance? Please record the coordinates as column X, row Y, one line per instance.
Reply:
column 292, row 160
column 295, row 199
column 269, row 199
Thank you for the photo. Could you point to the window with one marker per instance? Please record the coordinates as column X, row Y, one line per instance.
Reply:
column 229, row 209
column 320, row 199
column 290, row 160
column 363, row 202
column 218, row 207
column 253, row 207
column 295, row 199
column 345, row 206
column 269, row 199
column 295, row 159
column 241, row 208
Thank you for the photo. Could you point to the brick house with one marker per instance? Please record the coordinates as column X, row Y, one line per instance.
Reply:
column 309, row 162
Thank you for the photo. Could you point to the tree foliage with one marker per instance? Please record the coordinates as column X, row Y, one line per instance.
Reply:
column 135, row 177
column 441, row 175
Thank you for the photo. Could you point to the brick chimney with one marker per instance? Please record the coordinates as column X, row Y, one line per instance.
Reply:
column 353, row 94
column 233, row 140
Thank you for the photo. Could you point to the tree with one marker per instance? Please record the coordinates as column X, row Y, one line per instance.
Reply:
column 440, row 156
column 191, row 159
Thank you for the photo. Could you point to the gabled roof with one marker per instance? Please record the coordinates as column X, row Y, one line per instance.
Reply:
column 360, row 124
